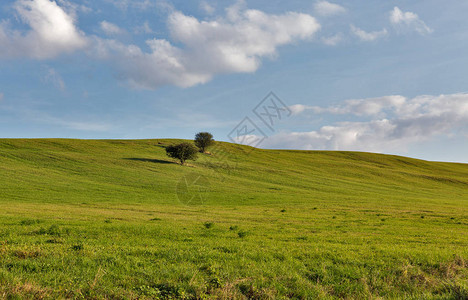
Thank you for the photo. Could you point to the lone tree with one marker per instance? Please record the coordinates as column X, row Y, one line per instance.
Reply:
column 203, row 140
column 182, row 152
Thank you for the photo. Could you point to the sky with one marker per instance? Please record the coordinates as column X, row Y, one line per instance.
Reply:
column 376, row 76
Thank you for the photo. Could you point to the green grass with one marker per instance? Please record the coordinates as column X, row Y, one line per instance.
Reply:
column 101, row 219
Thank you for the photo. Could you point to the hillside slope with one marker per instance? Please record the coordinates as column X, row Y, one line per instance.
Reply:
column 67, row 171
column 114, row 218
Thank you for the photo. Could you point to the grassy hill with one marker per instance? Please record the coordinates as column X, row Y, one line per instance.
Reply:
column 116, row 219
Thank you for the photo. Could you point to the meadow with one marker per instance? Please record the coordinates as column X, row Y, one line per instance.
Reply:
column 114, row 219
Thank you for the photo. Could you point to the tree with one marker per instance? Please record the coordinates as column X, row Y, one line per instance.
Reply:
column 204, row 140
column 182, row 152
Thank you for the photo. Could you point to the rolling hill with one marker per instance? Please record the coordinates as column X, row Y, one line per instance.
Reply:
column 101, row 219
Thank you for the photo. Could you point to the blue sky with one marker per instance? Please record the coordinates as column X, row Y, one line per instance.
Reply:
column 379, row 76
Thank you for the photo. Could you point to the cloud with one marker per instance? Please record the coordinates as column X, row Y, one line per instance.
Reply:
column 52, row 32
column 233, row 44
column 72, row 8
column 298, row 108
column 207, row 7
column 395, row 124
column 368, row 36
column 145, row 28
column 53, row 77
column 332, row 40
column 325, row 8
column 194, row 53
column 110, row 28
column 408, row 21
column 133, row 4
column 362, row 107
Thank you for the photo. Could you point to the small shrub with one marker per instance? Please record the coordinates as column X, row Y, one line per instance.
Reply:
column 242, row 234
column 235, row 227
column 77, row 247
column 208, row 225
column 283, row 210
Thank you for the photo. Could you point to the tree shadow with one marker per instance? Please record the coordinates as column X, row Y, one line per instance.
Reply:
column 157, row 161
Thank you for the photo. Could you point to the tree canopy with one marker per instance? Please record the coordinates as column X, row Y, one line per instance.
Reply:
column 203, row 140
column 182, row 152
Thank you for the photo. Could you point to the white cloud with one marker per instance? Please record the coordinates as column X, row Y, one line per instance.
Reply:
column 395, row 124
column 207, row 7
column 298, row 108
column 133, row 4
column 409, row 21
column 326, row 8
column 145, row 28
column 73, row 8
column 234, row 44
column 361, row 107
column 368, row 36
column 52, row 32
column 332, row 40
column 110, row 28
column 53, row 77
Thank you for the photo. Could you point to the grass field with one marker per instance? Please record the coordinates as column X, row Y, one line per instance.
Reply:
column 103, row 220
